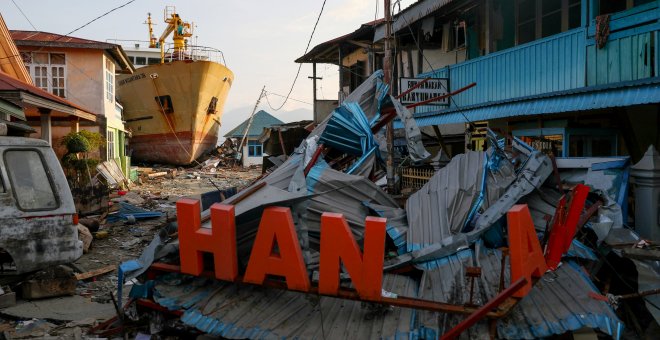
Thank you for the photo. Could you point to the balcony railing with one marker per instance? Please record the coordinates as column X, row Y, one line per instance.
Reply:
column 565, row 61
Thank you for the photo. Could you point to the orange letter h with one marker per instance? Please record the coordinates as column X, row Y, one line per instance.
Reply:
column 220, row 240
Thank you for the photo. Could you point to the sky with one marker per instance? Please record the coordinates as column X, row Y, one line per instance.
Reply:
column 260, row 39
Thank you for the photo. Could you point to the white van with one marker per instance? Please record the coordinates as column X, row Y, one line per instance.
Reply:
column 38, row 221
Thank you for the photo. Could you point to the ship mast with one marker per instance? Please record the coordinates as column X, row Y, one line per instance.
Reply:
column 152, row 37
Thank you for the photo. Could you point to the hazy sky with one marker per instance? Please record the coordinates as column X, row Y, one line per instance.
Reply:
column 260, row 39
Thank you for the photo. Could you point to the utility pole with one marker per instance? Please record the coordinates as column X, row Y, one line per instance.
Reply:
column 387, row 70
column 314, row 78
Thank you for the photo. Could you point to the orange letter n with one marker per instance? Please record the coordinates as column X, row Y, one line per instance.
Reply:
column 365, row 270
column 276, row 228
column 526, row 256
column 220, row 240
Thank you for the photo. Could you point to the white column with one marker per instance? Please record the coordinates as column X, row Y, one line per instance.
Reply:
column 46, row 133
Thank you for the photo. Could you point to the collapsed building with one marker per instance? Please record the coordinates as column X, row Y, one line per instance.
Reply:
column 448, row 252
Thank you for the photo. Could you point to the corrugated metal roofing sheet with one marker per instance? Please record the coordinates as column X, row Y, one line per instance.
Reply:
column 27, row 37
column 409, row 15
column 240, row 312
column 558, row 303
column 646, row 91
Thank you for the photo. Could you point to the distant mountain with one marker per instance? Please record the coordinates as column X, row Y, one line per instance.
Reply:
column 232, row 118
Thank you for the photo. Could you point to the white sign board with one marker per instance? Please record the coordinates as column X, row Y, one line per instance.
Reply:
column 433, row 87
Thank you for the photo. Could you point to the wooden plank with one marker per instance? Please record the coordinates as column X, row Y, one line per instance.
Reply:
column 625, row 47
column 614, row 61
column 96, row 272
column 641, row 254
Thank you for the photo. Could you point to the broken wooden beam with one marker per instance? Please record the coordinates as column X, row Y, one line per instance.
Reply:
column 95, row 272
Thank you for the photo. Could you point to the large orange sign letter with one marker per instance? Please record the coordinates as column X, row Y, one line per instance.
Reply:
column 365, row 269
column 220, row 240
column 276, row 228
column 525, row 249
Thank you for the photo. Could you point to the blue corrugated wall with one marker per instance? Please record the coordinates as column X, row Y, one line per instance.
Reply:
column 565, row 61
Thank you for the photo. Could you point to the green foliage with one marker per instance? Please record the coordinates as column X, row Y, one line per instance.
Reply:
column 83, row 141
column 94, row 138
column 77, row 165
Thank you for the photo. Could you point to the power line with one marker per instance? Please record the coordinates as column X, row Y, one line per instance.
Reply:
column 24, row 16
column 66, row 35
column 99, row 17
column 300, row 65
column 296, row 100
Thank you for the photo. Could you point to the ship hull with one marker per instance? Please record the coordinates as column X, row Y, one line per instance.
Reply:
column 171, row 111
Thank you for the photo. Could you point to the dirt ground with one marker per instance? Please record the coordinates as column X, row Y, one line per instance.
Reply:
column 120, row 241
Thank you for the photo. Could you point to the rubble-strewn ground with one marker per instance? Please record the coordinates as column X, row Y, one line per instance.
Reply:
column 115, row 243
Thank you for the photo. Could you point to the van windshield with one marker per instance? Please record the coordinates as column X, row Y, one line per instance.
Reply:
column 29, row 180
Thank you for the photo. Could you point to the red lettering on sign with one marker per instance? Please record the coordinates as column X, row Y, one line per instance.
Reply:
column 525, row 249
column 276, row 229
column 565, row 225
column 365, row 269
column 220, row 240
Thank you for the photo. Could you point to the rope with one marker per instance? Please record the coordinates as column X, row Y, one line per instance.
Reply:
column 162, row 110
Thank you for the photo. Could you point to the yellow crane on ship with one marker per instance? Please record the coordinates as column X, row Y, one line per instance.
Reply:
column 181, row 30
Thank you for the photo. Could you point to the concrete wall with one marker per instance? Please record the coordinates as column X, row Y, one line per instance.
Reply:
column 249, row 161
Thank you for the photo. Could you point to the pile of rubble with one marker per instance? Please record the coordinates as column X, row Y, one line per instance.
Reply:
column 447, row 247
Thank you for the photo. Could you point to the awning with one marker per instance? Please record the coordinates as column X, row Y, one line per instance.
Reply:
column 639, row 92
column 11, row 109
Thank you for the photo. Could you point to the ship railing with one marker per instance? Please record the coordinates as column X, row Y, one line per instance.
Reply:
column 196, row 52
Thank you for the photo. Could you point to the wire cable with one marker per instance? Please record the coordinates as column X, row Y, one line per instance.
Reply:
column 295, row 100
column 97, row 18
column 300, row 65
column 24, row 16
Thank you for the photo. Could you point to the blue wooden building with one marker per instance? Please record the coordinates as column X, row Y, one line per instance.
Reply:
column 579, row 77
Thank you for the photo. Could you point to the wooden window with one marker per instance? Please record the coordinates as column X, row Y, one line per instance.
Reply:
column 48, row 71
column 109, row 81
column 536, row 19
column 110, row 138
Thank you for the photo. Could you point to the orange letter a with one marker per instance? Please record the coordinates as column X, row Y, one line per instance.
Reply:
column 276, row 228
column 220, row 240
column 366, row 270
column 526, row 256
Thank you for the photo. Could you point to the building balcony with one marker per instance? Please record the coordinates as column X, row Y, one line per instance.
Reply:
column 559, row 64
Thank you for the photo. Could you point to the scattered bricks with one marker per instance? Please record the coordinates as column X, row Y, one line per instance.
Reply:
column 55, row 281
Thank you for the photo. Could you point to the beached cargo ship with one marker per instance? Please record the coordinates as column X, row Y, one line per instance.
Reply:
column 173, row 108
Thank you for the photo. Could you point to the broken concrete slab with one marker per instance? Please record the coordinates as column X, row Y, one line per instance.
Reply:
column 70, row 308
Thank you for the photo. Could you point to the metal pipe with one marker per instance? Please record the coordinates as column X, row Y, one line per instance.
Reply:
column 484, row 310
column 351, row 294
